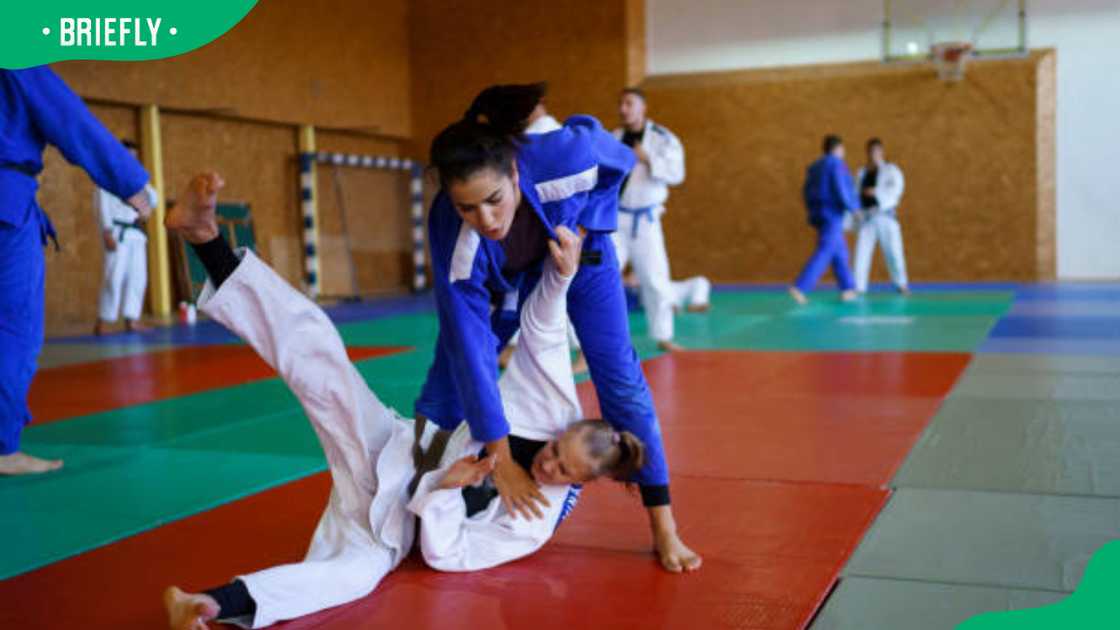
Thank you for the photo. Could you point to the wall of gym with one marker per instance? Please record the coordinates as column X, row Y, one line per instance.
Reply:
column 405, row 69
column 977, row 156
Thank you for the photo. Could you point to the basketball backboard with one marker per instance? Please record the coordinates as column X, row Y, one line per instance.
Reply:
column 993, row 27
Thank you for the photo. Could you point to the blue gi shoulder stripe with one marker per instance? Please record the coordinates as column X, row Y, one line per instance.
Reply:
column 569, row 503
column 565, row 187
column 466, row 249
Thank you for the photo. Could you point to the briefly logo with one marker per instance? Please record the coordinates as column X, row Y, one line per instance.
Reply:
column 111, row 31
column 45, row 31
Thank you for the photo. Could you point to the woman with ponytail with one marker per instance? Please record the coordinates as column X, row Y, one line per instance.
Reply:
column 504, row 194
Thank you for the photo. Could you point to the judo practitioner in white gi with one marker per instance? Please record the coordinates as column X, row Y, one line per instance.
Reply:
column 125, row 275
column 369, row 525
column 639, row 239
column 881, row 185
column 691, row 294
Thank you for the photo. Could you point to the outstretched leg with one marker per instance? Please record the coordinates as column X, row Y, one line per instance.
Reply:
column 295, row 337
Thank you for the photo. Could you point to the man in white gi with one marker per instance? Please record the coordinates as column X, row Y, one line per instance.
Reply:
column 125, row 275
column 881, row 185
column 378, row 458
column 639, row 240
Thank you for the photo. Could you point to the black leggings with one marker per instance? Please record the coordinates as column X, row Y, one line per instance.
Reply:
column 233, row 600
column 218, row 258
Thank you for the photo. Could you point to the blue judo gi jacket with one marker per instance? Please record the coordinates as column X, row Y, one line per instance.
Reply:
column 36, row 109
column 570, row 177
column 829, row 191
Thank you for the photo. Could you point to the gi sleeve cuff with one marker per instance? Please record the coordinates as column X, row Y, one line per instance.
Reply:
column 655, row 496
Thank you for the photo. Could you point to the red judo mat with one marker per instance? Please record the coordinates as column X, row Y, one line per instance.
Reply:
column 786, row 416
column 771, row 552
column 780, row 462
column 75, row 390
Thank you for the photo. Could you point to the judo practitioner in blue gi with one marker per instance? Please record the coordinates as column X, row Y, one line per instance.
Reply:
column 829, row 195
column 36, row 109
column 502, row 195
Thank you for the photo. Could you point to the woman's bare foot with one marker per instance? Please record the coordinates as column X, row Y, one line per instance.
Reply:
column 798, row 296
column 134, row 325
column 674, row 555
column 699, row 308
column 189, row 611
column 99, row 328
column 669, row 346
column 24, row 464
column 194, row 217
column 848, row 296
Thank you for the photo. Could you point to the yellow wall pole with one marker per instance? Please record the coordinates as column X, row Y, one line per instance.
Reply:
column 159, row 272
column 310, row 210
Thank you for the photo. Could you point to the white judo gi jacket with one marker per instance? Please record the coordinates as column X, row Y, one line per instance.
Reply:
column 125, row 276
column 369, row 524
column 639, row 239
column 880, row 226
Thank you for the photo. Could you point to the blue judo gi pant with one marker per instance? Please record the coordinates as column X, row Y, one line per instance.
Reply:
column 832, row 250
column 21, row 317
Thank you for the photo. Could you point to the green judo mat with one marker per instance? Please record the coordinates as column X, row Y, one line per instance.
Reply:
column 133, row 469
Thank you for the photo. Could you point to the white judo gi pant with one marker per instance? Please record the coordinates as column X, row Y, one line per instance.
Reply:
column 640, row 242
column 125, row 277
column 694, row 291
column 881, row 227
column 365, row 530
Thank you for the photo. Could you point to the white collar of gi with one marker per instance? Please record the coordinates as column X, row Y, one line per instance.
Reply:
column 544, row 124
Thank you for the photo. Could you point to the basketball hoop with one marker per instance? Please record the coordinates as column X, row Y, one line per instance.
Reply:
column 950, row 58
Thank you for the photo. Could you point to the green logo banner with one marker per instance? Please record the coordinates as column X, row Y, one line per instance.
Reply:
column 44, row 31
column 1092, row 605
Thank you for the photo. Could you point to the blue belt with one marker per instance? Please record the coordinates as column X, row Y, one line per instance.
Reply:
column 638, row 213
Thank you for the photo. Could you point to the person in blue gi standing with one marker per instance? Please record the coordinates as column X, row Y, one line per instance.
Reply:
column 829, row 195
column 36, row 109
column 502, row 195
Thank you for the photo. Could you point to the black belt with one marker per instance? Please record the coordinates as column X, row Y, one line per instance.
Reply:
column 124, row 225
column 21, row 168
column 426, row 461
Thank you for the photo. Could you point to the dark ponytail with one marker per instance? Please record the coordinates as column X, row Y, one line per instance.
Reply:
column 488, row 134
column 616, row 454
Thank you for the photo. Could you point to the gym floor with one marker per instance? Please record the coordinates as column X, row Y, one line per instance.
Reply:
column 895, row 462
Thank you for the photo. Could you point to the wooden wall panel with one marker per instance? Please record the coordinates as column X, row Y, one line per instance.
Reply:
column 458, row 48
column 335, row 63
column 377, row 204
column 969, row 152
column 74, row 274
column 258, row 163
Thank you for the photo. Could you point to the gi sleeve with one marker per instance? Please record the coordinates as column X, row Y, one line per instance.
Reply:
column 469, row 372
column 545, row 315
column 102, row 205
column 666, row 160
column 807, row 188
column 613, row 161
column 843, row 187
column 65, row 121
column 889, row 195
column 538, row 388
column 450, row 541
